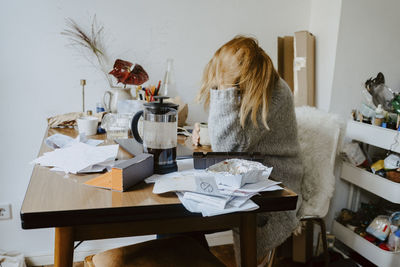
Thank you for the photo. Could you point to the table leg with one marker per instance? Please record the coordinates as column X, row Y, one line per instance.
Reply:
column 64, row 247
column 248, row 241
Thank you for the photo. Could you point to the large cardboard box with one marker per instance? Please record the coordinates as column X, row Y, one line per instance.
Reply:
column 304, row 68
column 285, row 59
column 303, row 244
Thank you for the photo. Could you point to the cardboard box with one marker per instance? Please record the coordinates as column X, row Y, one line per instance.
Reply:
column 304, row 68
column 126, row 174
column 303, row 244
column 285, row 59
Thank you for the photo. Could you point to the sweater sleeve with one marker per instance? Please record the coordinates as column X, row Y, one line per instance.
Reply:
column 226, row 133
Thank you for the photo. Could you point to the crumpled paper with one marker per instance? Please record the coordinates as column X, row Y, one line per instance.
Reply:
column 69, row 119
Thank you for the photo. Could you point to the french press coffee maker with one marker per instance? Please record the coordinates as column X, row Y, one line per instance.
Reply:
column 159, row 133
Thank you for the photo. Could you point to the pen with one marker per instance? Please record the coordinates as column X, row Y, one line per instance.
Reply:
column 158, row 87
column 138, row 89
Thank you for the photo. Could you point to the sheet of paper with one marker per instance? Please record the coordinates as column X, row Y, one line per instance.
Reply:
column 272, row 188
column 207, row 210
column 200, row 184
column 185, row 168
column 61, row 141
column 219, row 202
column 174, row 183
column 249, row 205
column 250, row 188
column 77, row 157
column 239, row 201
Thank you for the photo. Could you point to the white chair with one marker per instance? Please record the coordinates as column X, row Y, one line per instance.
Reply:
column 319, row 134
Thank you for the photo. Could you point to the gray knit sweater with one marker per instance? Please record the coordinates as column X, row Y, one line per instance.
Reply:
column 279, row 144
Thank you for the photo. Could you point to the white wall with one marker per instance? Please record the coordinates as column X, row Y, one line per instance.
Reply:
column 324, row 24
column 39, row 74
column 368, row 42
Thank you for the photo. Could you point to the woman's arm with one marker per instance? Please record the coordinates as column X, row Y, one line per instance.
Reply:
column 226, row 133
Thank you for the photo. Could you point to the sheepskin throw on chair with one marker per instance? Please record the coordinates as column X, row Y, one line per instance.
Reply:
column 319, row 134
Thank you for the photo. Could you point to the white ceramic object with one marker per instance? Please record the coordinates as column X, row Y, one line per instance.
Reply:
column 130, row 106
column 87, row 125
column 115, row 95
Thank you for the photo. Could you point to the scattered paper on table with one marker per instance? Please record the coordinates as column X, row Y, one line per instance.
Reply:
column 78, row 157
column 60, row 140
column 218, row 202
column 174, row 183
column 185, row 168
column 209, row 193
column 207, row 210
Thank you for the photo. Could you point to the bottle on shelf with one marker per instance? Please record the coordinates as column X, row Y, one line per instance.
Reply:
column 378, row 115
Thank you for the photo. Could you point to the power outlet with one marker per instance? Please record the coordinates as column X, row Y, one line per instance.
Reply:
column 5, row 211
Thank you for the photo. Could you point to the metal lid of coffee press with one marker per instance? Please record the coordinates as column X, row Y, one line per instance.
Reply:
column 160, row 107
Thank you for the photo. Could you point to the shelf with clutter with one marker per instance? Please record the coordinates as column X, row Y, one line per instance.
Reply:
column 370, row 223
column 373, row 183
column 374, row 135
column 364, row 247
column 369, row 165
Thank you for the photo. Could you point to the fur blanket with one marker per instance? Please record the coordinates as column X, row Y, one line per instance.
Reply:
column 319, row 134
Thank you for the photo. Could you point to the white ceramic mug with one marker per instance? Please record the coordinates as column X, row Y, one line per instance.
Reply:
column 204, row 137
column 88, row 125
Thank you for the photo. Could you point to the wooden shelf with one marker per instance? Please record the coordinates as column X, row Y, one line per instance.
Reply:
column 367, row 249
column 375, row 184
column 374, row 135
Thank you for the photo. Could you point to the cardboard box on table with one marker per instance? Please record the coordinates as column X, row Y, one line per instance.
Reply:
column 125, row 174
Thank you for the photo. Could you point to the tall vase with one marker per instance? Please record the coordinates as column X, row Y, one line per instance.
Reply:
column 115, row 95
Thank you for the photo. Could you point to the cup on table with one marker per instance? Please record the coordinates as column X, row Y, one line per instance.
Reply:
column 87, row 125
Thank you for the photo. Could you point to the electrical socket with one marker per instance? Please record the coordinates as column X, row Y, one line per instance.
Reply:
column 5, row 211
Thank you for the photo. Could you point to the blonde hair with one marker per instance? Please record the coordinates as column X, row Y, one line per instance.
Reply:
column 241, row 63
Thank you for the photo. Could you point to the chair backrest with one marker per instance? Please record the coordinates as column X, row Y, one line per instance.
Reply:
column 319, row 133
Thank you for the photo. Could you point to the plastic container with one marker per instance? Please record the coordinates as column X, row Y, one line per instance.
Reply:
column 99, row 107
column 378, row 116
column 394, row 241
column 379, row 227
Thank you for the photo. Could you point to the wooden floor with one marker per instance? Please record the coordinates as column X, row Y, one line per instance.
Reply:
column 225, row 254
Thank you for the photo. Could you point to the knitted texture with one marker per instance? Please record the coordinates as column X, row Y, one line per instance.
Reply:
column 279, row 144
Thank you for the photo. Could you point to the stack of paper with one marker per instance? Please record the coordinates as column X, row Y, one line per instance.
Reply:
column 61, row 140
column 212, row 192
column 73, row 155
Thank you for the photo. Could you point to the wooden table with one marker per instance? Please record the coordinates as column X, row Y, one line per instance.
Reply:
column 80, row 212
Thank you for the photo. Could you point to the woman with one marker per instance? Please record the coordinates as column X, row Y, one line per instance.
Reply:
column 251, row 110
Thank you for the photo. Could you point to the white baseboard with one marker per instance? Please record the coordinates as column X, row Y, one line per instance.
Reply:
column 47, row 258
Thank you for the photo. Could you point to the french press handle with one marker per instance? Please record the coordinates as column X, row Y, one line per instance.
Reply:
column 134, row 126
